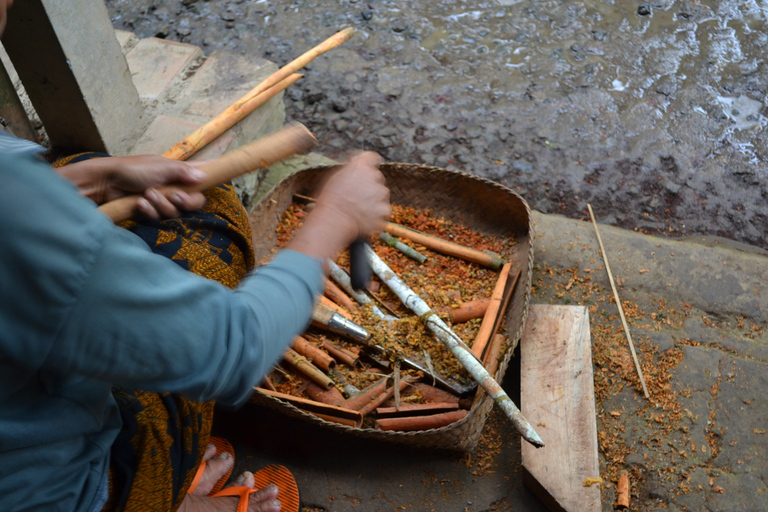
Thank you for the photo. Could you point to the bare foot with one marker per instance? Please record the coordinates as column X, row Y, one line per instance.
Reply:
column 263, row 500
column 215, row 468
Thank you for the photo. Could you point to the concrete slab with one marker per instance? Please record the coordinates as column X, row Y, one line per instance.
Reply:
column 155, row 63
column 165, row 131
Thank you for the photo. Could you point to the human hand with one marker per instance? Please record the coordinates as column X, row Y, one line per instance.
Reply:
column 109, row 178
column 358, row 195
column 353, row 203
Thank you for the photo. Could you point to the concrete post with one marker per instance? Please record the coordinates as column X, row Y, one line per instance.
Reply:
column 69, row 60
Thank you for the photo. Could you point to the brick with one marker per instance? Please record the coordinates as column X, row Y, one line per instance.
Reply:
column 165, row 131
column 155, row 63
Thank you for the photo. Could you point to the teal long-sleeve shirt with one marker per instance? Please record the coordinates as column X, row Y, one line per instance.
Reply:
column 84, row 305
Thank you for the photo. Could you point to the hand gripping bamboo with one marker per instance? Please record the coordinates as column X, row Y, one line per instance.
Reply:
column 456, row 346
column 292, row 139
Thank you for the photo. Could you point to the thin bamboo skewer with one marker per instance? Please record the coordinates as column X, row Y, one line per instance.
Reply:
column 246, row 104
column 618, row 304
column 455, row 345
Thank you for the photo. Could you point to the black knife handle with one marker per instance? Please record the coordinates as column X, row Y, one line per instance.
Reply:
column 359, row 270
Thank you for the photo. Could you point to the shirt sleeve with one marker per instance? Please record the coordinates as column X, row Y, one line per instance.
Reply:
column 96, row 301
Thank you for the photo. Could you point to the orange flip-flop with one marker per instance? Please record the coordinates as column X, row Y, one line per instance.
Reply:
column 288, row 494
column 222, row 445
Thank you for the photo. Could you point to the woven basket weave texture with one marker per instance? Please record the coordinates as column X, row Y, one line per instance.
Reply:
column 484, row 206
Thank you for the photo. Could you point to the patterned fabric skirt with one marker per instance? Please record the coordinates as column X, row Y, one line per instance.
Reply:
column 157, row 453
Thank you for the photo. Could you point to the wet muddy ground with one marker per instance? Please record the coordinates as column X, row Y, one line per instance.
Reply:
column 653, row 112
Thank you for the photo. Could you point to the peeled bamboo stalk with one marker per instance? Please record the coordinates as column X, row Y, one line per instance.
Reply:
column 428, row 422
column 315, row 355
column 307, row 369
column 294, row 138
column 246, row 104
column 455, row 345
column 485, row 258
column 327, row 412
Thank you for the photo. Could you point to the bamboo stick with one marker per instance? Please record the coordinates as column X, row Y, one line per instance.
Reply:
column 485, row 258
column 618, row 304
column 307, row 369
column 400, row 246
column 314, row 354
column 492, row 318
column 412, row 423
column 456, row 346
column 246, row 104
column 263, row 152
column 336, row 294
column 327, row 412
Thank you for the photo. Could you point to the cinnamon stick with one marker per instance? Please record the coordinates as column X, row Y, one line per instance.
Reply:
column 327, row 412
column 466, row 311
column 263, row 152
column 314, row 354
column 342, row 355
column 420, row 422
column 247, row 103
column 327, row 396
column 336, row 294
column 385, row 395
column 492, row 358
column 325, row 301
column 622, row 491
column 492, row 318
column 307, row 369
column 485, row 258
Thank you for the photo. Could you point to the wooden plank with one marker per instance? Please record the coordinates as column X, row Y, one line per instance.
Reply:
column 558, row 399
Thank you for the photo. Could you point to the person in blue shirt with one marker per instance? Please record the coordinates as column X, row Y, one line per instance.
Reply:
column 111, row 354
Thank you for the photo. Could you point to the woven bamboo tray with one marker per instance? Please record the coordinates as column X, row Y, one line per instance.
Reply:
column 480, row 204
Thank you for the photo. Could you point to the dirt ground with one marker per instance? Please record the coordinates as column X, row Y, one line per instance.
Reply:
column 652, row 112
